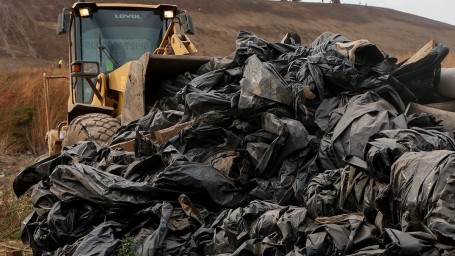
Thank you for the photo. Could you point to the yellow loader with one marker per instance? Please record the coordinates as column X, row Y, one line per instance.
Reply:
column 118, row 56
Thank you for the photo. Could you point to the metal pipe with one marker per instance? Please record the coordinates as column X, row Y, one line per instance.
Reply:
column 46, row 95
column 446, row 86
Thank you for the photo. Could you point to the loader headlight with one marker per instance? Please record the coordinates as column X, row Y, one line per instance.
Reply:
column 169, row 14
column 90, row 67
column 84, row 12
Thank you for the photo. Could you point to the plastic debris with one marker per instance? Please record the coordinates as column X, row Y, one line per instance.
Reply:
column 276, row 149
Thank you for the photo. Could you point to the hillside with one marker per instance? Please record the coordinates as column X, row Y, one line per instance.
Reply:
column 28, row 29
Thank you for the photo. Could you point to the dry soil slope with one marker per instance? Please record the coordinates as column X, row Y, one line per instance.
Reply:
column 218, row 22
column 27, row 33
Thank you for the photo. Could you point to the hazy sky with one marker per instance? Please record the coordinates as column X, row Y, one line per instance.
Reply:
column 441, row 10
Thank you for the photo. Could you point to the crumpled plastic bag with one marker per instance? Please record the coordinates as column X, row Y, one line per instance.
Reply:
column 194, row 179
column 341, row 191
column 341, row 234
column 387, row 146
column 422, row 193
column 361, row 117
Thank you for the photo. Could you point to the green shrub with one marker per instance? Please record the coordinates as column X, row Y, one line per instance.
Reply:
column 128, row 247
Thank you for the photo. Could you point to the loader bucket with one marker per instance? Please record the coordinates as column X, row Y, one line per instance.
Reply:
column 145, row 77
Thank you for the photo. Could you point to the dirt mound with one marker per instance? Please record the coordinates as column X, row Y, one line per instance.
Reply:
column 29, row 39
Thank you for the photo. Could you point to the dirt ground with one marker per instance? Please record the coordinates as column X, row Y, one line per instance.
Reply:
column 10, row 166
column 14, row 246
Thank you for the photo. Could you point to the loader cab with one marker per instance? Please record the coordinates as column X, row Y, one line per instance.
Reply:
column 103, row 37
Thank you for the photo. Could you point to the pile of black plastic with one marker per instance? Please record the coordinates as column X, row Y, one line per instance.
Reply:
column 293, row 150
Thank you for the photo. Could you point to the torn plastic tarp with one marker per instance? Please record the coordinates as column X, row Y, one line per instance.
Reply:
column 182, row 176
column 101, row 241
column 291, row 136
column 42, row 199
column 421, row 73
column 325, row 42
column 202, row 141
column 255, row 229
column 63, row 224
column 341, row 191
column 363, row 116
column 334, row 65
column 422, row 190
column 248, row 44
column 84, row 152
column 387, row 146
column 287, row 187
column 409, row 243
column 341, row 235
column 263, row 80
column 153, row 242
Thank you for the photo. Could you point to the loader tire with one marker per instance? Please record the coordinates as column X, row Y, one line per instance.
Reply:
column 91, row 127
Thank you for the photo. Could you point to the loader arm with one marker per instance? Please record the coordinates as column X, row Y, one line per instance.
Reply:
column 175, row 41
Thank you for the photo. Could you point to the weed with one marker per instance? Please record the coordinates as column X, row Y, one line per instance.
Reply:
column 23, row 111
column 7, row 144
column 12, row 211
column 128, row 247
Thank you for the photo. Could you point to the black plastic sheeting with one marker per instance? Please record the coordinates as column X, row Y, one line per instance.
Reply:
column 421, row 184
column 292, row 150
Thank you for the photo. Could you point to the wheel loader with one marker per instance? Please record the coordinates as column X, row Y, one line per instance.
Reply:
column 118, row 56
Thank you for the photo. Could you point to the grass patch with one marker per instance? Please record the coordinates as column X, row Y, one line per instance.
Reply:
column 22, row 108
column 128, row 247
column 13, row 211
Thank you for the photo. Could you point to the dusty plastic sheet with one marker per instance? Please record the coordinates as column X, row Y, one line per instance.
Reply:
column 340, row 235
column 291, row 136
column 422, row 75
column 263, row 80
column 422, row 193
column 409, row 243
column 197, row 180
column 351, row 125
column 325, row 42
column 258, row 228
column 247, row 45
column 71, row 219
column 343, row 190
column 387, row 146
column 31, row 175
column 155, row 120
column 153, row 242
column 63, row 224
column 42, row 199
column 84, row 152
column 101, row 241
column 288, row 187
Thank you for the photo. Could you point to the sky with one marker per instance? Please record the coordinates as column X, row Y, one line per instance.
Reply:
column 440, row 10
